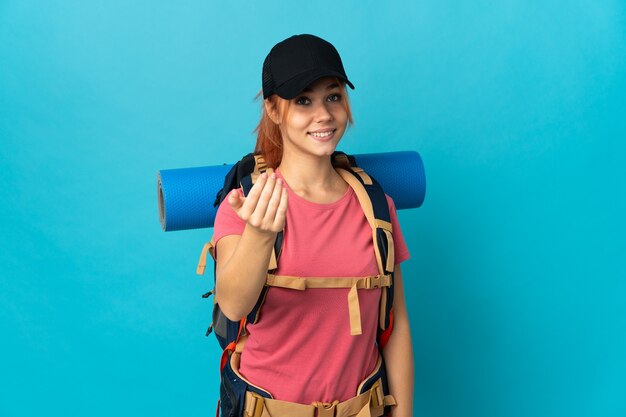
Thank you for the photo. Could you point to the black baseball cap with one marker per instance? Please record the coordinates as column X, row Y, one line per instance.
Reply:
column 296, row 62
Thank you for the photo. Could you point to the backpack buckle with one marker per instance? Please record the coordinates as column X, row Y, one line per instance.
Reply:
column 253, row 404
column 373, row 282
column 325, row 409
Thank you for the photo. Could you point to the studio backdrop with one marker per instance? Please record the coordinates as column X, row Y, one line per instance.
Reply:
column 516, row 281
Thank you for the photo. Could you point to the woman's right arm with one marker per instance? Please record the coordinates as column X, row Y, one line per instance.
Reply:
column 242, row 261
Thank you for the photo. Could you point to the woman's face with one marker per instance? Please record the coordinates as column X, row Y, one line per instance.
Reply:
column 316, row 119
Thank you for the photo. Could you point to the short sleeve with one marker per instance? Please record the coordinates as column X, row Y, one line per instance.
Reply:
column 226, row 221
column 399, row 245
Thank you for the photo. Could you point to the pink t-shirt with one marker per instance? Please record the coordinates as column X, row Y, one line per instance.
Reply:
column 301, row 349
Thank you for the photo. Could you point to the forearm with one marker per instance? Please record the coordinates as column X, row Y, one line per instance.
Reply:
column 400, row 370
column 240, row 279
column 399, row 353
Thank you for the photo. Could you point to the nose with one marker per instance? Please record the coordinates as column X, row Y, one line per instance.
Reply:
column 322, row 113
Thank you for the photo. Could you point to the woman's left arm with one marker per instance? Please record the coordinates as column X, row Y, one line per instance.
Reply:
column 398, row 353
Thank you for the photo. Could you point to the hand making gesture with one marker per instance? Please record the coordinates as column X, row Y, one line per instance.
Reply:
column 265, row 207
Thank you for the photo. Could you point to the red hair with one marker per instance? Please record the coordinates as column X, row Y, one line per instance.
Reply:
column 269, row 141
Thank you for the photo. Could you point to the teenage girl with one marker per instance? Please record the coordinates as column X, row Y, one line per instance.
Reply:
column 301, row 350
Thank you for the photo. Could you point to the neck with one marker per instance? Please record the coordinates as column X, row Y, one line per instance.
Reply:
column 309, row 173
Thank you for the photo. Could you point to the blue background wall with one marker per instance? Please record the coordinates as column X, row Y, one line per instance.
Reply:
column 516, row 285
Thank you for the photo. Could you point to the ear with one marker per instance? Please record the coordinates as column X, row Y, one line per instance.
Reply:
column 272, row 111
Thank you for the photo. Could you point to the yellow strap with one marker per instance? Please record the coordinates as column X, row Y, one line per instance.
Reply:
column 253, row 405
column 325, row 409
column 388, row 229
column 302, row 283
column 259, row 163
column 368, row 209
column 362, row 405
column 366, row 178
column 208, row 247
column 273, row 262
column 343, row 162
column 364, row 200
column 259, row 167
column 354, row 310
column 258, row 170
column 275, row 408
column 390, row 255
column 381, row 224
column 389, row 400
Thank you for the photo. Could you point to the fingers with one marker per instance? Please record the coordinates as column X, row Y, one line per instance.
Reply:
column 258, row 198
column 265, row 197
column 274, row 202
column 281, row 212
column 251, row 200
column 265, row 206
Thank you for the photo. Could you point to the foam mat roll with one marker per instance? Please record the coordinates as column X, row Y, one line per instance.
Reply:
column 186, row 195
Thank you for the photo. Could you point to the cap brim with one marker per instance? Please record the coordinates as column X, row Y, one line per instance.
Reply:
column 290, row 89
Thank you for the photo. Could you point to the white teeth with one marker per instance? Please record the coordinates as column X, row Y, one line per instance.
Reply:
column 321, row 135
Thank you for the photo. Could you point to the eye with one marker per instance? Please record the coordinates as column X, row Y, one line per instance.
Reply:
column 303, row 100
column 334, row 97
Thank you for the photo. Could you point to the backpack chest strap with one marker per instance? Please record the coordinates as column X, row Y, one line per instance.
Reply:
column 354, row 283
column 302, row 283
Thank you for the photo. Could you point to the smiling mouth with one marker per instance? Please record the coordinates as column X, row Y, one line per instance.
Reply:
column 322, row 134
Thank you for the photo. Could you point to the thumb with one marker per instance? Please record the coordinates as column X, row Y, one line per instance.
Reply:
column 235, row 200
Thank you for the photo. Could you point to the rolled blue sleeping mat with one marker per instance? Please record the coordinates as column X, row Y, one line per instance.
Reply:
column 186, row 195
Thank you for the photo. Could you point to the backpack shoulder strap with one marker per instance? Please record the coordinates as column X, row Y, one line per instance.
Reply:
column 233, row 178
column 374, row 203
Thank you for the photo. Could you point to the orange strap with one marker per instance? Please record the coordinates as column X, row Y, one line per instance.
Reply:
column 232, row 345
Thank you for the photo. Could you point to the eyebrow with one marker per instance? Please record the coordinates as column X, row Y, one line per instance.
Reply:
column 330, row 87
